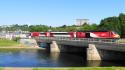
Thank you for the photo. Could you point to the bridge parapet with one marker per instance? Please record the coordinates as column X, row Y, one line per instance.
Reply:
column 82, row 42
column 89, row 40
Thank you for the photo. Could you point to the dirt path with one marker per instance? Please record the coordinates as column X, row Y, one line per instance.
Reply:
column 16, row 68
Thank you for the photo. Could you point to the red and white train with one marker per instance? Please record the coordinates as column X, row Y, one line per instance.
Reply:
column 83, row 34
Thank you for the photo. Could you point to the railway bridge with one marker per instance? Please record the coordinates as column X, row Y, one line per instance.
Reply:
column 94, row 48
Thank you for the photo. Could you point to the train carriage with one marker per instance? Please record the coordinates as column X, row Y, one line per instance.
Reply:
column 97, row 34
column 79, row 34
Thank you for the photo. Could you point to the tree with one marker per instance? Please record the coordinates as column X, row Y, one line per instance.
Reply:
column 38, row 28
column 88, row 27
column 122, row 24
column 110, row 23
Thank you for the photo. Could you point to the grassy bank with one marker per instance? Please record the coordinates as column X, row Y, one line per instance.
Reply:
column 83, row 68
column 69, row 68
column 5, row 42
column 121, row 40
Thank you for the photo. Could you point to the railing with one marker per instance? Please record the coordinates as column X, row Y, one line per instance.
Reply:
column 80, row 39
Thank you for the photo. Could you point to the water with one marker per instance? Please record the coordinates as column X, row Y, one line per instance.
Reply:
column 40, row 58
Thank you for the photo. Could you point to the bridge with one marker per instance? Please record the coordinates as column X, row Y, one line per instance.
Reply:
column 96, row 49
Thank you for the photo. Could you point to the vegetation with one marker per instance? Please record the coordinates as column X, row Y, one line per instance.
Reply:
column 121, row 40
column 44, row 28
column 77, row 68
column 1, row 68
column 16, row 39
column 38, row 28
column 115, row 23
column 5, row 42
column 83, row 68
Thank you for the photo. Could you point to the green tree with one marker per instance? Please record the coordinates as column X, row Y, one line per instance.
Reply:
column 122, row 24
column 111, row 23
column 38, row 28
column 88, row 27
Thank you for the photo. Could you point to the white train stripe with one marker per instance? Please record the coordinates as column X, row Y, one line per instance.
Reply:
column 93, row 35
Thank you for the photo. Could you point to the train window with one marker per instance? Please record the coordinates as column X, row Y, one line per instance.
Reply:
column 114, row 32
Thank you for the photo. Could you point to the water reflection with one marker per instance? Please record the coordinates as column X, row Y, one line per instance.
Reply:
column 40, row 58
column 93, row 63
column 55, row 56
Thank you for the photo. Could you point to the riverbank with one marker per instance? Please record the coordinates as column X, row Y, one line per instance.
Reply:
column 19, row 46
column 83, row 68
column 8, row 43
column 9, row 48
column 69, row 68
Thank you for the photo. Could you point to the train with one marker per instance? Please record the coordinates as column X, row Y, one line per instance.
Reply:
column 78, row 34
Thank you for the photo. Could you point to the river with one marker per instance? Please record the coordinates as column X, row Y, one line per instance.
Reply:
column 41, row 58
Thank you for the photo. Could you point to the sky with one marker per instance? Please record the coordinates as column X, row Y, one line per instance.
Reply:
column 57, row 12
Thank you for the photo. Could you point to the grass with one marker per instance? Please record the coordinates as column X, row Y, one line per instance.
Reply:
column 121, row 40
column 1, row 68
column 83, row 68
column 5, row 42
column 75, row 68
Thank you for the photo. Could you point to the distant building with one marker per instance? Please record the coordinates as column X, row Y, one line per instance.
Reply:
column 80, row 22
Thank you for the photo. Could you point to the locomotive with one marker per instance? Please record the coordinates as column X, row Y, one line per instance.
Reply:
column 78, row 34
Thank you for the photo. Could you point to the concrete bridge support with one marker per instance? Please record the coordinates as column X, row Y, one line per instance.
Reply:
column 96, row 51
column 54, row 47
column 92, row 53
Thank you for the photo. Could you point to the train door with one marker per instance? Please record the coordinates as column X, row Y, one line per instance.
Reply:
column 87, row 35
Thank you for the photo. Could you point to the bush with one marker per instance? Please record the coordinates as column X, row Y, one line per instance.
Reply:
column 16, row 39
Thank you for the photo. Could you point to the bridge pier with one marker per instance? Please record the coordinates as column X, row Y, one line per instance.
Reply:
column 92, row 53
column 97, row 51
column 54, row 47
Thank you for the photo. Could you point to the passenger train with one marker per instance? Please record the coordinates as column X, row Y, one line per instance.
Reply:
column 79, row 34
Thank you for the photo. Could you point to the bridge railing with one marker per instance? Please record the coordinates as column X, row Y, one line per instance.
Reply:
column 80, row 39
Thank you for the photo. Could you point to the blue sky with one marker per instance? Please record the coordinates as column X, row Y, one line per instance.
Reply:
column 57, row 12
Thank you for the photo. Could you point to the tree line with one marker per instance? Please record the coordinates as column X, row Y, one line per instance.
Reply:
column 44, row 28
column 115, row 23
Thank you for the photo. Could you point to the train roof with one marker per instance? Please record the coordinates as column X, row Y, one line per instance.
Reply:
column 54, row 32
column 95, row 31
column 59, row 32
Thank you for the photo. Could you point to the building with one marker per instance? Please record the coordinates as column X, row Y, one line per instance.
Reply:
column 80, row 22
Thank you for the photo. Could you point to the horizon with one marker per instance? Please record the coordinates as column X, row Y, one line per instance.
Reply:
column 57, row 12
